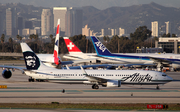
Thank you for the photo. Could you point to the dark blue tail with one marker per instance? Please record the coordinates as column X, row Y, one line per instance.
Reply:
column 99, row 47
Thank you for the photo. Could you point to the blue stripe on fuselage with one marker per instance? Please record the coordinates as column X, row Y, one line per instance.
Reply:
column 125, row 56
column 135, row 57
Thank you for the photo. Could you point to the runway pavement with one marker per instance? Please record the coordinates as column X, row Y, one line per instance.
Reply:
column 19, row 90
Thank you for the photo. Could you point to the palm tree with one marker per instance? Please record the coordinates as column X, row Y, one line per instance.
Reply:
column 11, row 44
column 2, row 41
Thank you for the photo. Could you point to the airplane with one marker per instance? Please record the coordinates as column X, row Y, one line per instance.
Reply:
column 53, row 60
column 76, row 54
column 107, row 78
column 159, row 60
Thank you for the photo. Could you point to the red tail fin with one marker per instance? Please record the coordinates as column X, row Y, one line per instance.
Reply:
column 71, row 46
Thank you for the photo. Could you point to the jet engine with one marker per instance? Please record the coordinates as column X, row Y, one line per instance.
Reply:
column 95, row 61
column 112, row 83
column 6, row 74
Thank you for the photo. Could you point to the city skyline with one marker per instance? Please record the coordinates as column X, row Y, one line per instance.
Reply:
column 114, row 30
column 100, row 4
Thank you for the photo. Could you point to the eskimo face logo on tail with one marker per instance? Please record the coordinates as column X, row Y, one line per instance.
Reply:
column 31, row 60
column 101, row 46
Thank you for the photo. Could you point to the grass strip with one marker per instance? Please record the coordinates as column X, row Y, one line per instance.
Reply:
column 82, row 106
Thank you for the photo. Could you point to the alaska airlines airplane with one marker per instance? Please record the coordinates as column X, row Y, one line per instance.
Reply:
column 136, row 58
column 107, row 78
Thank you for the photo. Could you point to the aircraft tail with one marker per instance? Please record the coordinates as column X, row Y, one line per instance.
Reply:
column 99, row 47
column 72, row 48
column 56, row 45
column 31, row 60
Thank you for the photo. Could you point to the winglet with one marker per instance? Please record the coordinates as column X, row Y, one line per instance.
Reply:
column 72, row 48
column 67, row 67
column 99, row 47
column 84, row 72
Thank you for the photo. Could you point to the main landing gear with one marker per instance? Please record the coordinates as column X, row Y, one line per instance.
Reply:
column 31, row 79
column 95, row 86
column 157, row 87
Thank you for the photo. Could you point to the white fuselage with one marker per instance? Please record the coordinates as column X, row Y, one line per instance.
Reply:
column 135, row 58
column 140, row 77
column 48, row 59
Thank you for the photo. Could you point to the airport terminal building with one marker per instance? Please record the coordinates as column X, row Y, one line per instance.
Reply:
column 169, row 44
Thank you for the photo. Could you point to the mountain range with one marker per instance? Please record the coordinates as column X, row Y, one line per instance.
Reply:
column 100, row 4
column 129, row 17
column 132, row 17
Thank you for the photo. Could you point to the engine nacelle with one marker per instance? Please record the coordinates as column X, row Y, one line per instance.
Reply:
column 89, row 82
column 6, row 74
column 112, row 83
column 175, row 66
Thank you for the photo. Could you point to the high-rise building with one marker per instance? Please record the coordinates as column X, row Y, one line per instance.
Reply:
column 47, row 22
column 1, row 23
column 86, row 31
column 60, row 13
column 73, row 22
column 112, row 32
column 121, row 31
column 20, row 25
column 29, row 24
column 154, row 28
column 11, row 18
column 168, row 27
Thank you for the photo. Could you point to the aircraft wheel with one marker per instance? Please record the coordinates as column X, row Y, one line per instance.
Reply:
column 157, row 87
column 29, row 80
column 93, row 86
column 96, row 87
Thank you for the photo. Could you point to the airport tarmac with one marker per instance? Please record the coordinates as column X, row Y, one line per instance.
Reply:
column 19, row 90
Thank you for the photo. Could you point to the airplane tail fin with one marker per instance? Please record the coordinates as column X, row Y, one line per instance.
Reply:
column 57, row 61
column 31, row 60
column 72, row 48
column 99, row 47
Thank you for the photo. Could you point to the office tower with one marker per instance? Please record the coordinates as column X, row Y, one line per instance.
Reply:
column 73, row 24
column 86, row 31
column 168, row 27
column 47, row 22
column 154, row 28
column 11, row 28
column 102, row 32
column 121, row 31
column 112, row 32
column 29, row 24
column 59, row 13
column 20, row 24
column 1, row 23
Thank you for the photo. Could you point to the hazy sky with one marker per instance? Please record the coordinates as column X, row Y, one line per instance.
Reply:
column 100, row 4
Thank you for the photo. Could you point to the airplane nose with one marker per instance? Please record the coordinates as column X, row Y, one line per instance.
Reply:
column 169, row 78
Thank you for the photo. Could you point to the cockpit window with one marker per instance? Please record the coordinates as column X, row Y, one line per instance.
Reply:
column 164, row 75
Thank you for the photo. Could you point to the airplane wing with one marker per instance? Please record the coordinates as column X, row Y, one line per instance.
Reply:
column 108, row 66
column 162, row 60
column 13, row 67
column 77, row 61
column 93, row 66
column 93, row 78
